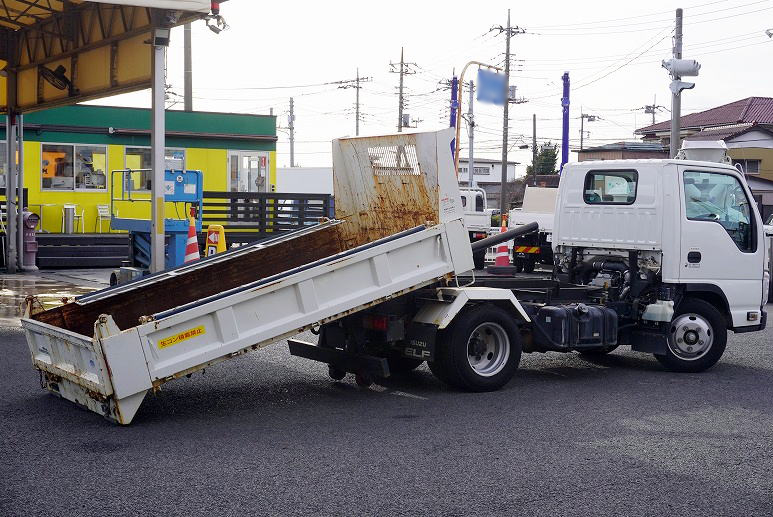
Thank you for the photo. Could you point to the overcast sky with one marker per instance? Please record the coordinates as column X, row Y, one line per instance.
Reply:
column 275, row 50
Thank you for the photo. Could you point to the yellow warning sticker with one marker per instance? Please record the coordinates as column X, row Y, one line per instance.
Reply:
column 182, row 336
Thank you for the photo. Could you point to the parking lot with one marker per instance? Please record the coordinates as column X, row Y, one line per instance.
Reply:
column 269, row 433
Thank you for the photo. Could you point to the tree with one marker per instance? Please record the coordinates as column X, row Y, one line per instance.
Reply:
column 546, row 160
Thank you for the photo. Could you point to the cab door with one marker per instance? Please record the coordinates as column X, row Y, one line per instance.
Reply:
column 722, row 243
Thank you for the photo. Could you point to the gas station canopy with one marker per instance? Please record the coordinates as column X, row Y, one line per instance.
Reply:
column 57, row 52
column 202, row 6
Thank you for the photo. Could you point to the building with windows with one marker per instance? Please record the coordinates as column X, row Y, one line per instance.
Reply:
column 71, row 153
column 746, row 127
column 487, row 175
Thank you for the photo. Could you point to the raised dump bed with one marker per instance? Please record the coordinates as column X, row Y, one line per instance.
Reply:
column 398, row 228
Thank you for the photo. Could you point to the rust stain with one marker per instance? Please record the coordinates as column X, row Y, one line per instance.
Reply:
column 387, row 205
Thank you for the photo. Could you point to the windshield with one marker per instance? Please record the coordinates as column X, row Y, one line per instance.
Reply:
column 720, row 198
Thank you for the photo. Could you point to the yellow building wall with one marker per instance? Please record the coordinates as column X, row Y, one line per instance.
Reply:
column 212, row 162
column 756, row 153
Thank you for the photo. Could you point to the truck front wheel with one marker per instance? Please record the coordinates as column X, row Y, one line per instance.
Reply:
column 480, row 351
column 696, row 339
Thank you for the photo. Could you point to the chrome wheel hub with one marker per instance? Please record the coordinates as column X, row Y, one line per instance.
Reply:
column 690, row 336
column 488, row 349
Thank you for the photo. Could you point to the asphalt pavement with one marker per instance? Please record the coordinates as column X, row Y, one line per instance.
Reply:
column 270, row 434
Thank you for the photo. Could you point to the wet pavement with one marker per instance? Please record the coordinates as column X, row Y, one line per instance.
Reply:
column 50, row 287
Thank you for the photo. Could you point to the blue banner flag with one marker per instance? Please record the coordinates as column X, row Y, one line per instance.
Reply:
column 491, row 87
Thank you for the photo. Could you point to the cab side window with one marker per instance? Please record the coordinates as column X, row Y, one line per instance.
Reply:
column 610, row 187
column 720, row 198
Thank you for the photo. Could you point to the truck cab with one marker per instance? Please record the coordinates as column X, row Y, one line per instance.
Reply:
column 682, row 239
column 477, row 218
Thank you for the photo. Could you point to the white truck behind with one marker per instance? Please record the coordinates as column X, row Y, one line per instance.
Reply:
column 539, row 205
column 477, row 219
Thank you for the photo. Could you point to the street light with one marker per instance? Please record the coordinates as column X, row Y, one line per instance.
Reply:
column 459, row 109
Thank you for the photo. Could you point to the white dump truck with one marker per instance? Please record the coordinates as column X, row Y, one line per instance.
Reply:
column 642, row 249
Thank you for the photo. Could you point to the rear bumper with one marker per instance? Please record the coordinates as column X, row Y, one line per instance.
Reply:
column 753, row 328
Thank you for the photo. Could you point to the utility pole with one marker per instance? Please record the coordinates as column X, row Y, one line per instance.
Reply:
column 188, row 72
column 583, row 118
column 403, row 69
column 471, row 133
column 355, row 83
column 676, row 98
column 652, row 109
column 509, row 32
column 291, row 127
column 678, row 68
column 505, row 123
column 400, row 101
column 357, row 105
column 534, row 148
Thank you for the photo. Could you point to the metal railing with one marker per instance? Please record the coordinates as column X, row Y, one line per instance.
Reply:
column 265, row 213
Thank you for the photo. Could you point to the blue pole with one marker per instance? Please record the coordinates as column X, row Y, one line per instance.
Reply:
column 454, row 107
column 454, row 99
column 565, row 129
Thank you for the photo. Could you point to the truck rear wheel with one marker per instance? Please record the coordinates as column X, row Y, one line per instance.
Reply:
column 696, row 339
column 528, row 265
column 480, row 351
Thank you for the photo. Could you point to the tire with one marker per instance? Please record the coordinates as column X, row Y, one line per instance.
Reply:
column 518, row 263
column 700, row 321
column 480, row 351
column 479, row 259
column 595, row 352
column 528, row 265
column 401, row 365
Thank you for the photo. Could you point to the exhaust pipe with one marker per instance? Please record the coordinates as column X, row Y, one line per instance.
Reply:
column 506, row 236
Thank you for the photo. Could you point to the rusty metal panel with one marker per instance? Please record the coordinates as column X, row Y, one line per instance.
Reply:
column 385, row 184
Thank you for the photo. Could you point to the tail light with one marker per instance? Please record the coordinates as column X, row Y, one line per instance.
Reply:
column 375, row 322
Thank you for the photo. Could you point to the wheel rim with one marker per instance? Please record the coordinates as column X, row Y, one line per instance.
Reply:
column 691, row 336
column 488, row 349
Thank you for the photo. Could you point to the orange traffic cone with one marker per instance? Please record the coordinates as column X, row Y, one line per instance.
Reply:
column 502, row 257
column 192, row 246
column 502, row 264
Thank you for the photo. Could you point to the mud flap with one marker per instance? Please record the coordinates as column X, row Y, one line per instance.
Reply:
column 420, row 342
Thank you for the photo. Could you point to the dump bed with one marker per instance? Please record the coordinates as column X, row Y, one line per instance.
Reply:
column 398, row 227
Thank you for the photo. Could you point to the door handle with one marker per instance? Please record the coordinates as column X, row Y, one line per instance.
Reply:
column 694, row 257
